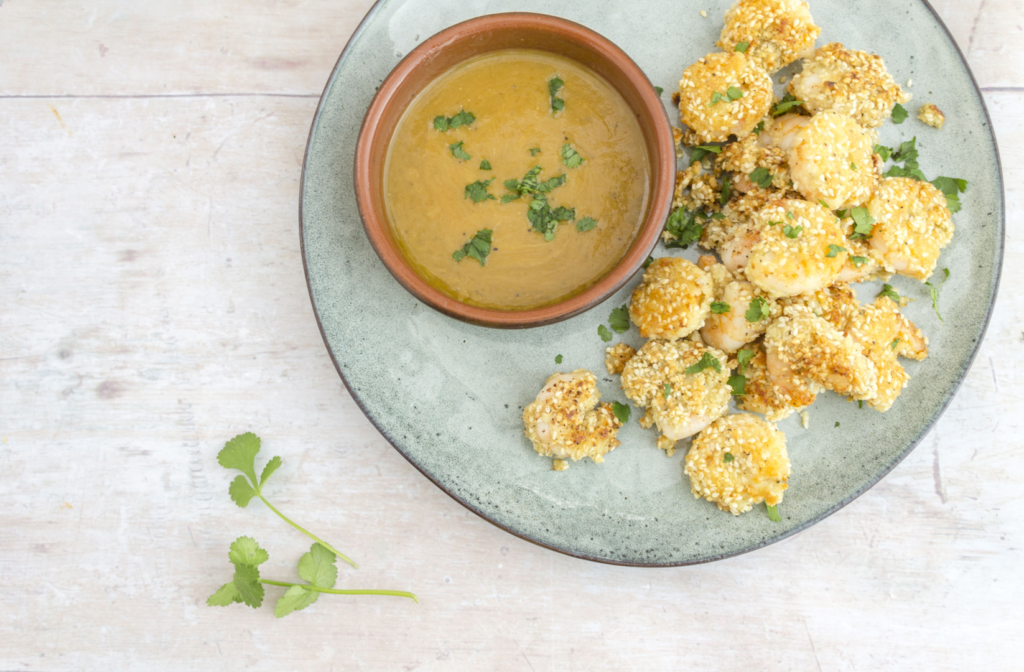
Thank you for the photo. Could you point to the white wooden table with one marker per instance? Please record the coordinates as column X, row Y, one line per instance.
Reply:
column 152, row 305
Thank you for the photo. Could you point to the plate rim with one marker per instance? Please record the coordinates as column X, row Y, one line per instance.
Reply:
column 952, row 392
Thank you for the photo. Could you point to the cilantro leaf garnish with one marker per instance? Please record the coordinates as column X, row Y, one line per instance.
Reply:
column 603, row 332
column 658, row 90
column 742, row 47
column 734, row 93
column 619, row 320
column 558, row 359
column 863, row 223
column 728, row 457
column 621, row 411
column 785, row 105
column 895, row 343
column 240, row 454
column 557, row 104
column 883, row 151
column 792, row 231
column 952, row 188
column 759, row 127
column 707, row 361
column 934, row 291
column 899, row 114
column 759, row 309
column 570, row 157
column 458, row 152
column 463, row 118
column 478, row 191
column 834, row 251
column 859, row 261
column 738, row 383
column 534, row 151
column 743, row 357
column 683, row 227
column 477, row 248
column 586, row 224
column 698, row 153
column 720, row 308
column 907, row 154
column 773, row 223
column 667, row 392
column 650, row 260
column 485, row 165
column 773, row 514
column 726, row 190
column 888, row 291
column 761, row 177
column 715, row 98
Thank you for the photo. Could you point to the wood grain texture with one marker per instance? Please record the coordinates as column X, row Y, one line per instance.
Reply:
column 153, row 305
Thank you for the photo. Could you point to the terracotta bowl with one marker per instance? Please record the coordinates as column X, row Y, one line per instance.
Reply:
column 472, row 38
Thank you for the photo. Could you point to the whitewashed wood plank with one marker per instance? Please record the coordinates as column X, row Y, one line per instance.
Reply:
column 989, row 33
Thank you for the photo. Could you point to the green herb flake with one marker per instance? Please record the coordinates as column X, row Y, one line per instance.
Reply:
column 603, row 332
column 684, row 229
column 557, row 104
column 477, row 191
column 860, row 403
column 699, row 152
column 792, row 231
column 728, row 457
column 720, row 308
column 773, row 223
column 895, row 344
column 621, row 411
column 586, row 224
column 534, row 151
column 570, row 157
column 619, row 320
column 951, row 187
column 463, row 118
column 485, row 165
column 834, row 251
column 743, row 357
column 650, row 260
column 773, row 514
column 934, row 291
column 899, row 114
column 667, row 392
column 789, row 215
column 785, row 105
column 477, row 248
column 823, row 204
column 658, row 90
column 734, row 93
column 761, row 177
column 837, row 423
column 458, row 152
column 888, row 291
column 742, row 47
column 715, row 98
column 759, row 127
column 759, row 310
column 726, row 190
column 558, row 359
column 863, row 223
column 738, row 383
column 853, row 166
column 707, row 361
column 859, row 261
column 883, row 151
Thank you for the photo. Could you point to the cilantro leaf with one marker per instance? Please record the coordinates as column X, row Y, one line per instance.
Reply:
column 859, row 261
column 759, row 127
column 247, row 583
column 317, row 567
column 734, row 93
column 743, row 357
column 241, row 492
column 899, row 114
column 895, row 343
column 728, row 457
column 698, row 153
column 271, row 467
column 477, row 248
column 603, row 332
column 245, row 551
column 707, row 361
column 225, row 596
column 557, row 104
column 720, row 307
column 952, row 188
column 785, row 105
column 570, row 157
column 683, row 227
column 458, row 152
column 463, row 118
column 478, row 191
column 534, row 151
column 883, row 151
column 726, row 190
column 650, row 260
column 863, row 223
column 759, row 309
column 295, row 598
column 558, row 359
column 742, row 47
column 934, row 291
column 240, row 453
column 441, row 123
column 761, row 177
column 485, row 165
column 888, row 291
column 738, row 383
column 715, row 98
column 834, row 251
column 658, row 90
column 667, row 392
column 586, row 224
column 792, row 231
column 621, row 411
column 619, row 320
column 773, row 514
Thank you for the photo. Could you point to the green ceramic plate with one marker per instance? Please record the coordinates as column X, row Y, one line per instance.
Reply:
column 449, row 395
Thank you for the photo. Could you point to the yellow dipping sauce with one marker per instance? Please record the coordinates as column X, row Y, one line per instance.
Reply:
column 508, row 94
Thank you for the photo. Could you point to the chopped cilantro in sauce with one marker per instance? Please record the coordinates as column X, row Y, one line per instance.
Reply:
column 477, row 248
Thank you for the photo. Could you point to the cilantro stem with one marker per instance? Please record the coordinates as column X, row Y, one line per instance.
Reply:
column 309, row 534
column 335, row 591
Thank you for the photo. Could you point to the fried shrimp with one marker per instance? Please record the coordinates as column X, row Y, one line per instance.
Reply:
column 776, row 32
column 724, row 94
column 790, row 247
column 884, row 333
column 673, row 299
column 737, row 462
column 761, row 396
column 566, row 421
column 854, row 83
column 682, row 384
column 730, row 327
column 805, row 354
column 912, row 225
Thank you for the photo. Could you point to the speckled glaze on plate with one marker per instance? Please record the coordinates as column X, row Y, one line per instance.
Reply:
column 449, row 395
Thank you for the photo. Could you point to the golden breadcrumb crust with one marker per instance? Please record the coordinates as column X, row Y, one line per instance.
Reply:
column 716, row 74
column 777, row 32
column 912, row 225
column 672, row 300
column 834, row 162
column 565, row 421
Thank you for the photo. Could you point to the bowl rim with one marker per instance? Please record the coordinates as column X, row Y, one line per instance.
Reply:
column 662, row 188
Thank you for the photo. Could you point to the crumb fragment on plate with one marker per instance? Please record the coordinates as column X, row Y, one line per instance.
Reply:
column 932, row 115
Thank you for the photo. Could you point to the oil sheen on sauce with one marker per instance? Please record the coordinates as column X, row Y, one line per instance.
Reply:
column 508, row 93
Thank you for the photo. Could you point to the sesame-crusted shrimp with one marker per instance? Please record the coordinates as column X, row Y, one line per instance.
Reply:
column 616, row 356
column 854, row 83
column 562, row 422
column 836, row 304
column 663, row 378
column 724, row 94
column 777, row 32
column 737, row 462
column 805, row 353
column 729, row 328
column 790, row 242
column 760, row 395
column 884, row 334
column 673, row 299
column 912, row 225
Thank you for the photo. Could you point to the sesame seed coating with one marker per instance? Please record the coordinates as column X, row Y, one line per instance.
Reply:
column 778, row 32
column 834, row 161
column 566, row 421
column 716, row 74
column 758, row 470
column 912, row 225
column 854, row 83
column 884, row 334
column 672, row 300
column 760, row 394
column 731, row 330
column 616, row 357
column 932, row 115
